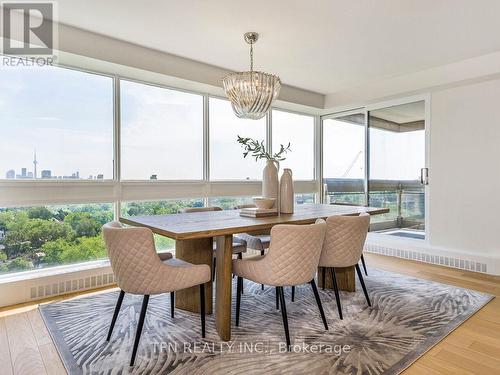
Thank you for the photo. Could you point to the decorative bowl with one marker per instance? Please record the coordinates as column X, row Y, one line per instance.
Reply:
column 264, row 203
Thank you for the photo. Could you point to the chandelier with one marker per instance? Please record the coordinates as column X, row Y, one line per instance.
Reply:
column 251, row 92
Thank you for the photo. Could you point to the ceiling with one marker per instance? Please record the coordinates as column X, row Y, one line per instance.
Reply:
column 325, row 46
column 402, row 113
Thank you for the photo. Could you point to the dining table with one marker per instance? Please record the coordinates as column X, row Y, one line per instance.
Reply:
column 195, row 234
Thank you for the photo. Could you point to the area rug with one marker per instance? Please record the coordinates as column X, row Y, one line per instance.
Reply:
column 408, row 317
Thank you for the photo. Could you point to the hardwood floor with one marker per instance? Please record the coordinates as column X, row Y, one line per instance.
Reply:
column 474, row 348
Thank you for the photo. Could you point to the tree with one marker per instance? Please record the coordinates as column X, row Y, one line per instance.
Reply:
column 26, row 237
column 40, row 213
column 83, row 224
column 82, row 249
column 19, row 264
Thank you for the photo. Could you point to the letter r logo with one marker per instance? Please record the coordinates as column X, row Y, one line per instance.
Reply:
column 28, row 28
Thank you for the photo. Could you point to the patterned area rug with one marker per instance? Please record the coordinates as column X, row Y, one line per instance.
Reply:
column 408, row 317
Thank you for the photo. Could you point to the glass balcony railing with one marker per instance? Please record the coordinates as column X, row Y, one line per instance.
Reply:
column 404, row 199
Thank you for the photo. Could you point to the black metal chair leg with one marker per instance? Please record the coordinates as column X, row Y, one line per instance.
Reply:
column 239, row 283
column 318, row 301
column 115, row 314
column 293, row 293
column 139, row 328
column 363, row 285
column 364, row 264
column 240, row 256
column 172, row 304
column 202, row 309
column 284, row 316
column 277, row 299
column 262, row 254
column 336, row 290
column 323, row 277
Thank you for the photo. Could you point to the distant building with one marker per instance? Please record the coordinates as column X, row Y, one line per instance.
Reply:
column 23, row 173
column 100, row 176
column 30, row 175
column 10, row 174
column 153, row 177
column 46, row 173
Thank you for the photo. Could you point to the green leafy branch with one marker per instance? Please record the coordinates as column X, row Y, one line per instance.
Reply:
column 257, row 149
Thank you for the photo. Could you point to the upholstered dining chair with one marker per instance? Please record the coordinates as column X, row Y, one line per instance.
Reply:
column 139, row 270
column 343, row 247
column 362, row 257
column 239, row 245
column 258, row 242
column 292, row 259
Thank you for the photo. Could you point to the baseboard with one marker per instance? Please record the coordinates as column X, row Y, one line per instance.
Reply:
column 15, row 290
column 421, row 251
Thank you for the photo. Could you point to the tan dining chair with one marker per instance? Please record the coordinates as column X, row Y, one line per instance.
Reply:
column 139, row 270
column 239, row 245
column 257, row 242
column 362, row 257
column 292, row 259
column 344, row 241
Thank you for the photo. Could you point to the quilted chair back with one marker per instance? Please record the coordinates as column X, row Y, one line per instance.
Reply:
column 344, row 240
column 198, row 209
column 294, row 253
column 132, row 254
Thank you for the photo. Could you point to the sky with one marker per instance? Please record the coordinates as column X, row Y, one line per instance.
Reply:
column 67, row 116
column 393, row 156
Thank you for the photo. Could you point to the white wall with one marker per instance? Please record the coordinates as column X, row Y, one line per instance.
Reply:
column 465, row 169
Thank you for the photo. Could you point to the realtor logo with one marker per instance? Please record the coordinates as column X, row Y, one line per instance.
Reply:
column 28, row 28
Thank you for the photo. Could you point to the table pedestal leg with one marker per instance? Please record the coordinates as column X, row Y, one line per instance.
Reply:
column 223, row 288
column 197, row 251
column 345, row 278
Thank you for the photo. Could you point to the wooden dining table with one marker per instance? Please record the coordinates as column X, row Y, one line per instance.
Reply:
column 194, row 235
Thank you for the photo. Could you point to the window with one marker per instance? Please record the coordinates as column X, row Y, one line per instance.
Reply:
column 344, row 159
column 298, row 130
column 39, row 237
column 164, row 207
column 226, row 154
column 55, row 123
column 161, row 133
column 228, row 203
column 305, row 198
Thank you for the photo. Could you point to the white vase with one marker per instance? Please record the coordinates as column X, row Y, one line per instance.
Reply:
column 270, row 182
column 286, row 192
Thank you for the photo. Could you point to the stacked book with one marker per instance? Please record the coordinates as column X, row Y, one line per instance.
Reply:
column 258, row 212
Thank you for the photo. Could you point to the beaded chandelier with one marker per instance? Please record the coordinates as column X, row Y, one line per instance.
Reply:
column 251, row 92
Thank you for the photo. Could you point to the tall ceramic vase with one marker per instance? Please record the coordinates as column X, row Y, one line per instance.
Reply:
column 270, row 183
column 286, row 192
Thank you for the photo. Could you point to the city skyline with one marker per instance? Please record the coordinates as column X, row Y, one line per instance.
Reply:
column 45, row 174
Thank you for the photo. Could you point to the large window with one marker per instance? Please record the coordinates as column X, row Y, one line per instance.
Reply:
column 161, row 133
column 55, row 124
column 344, row 159
column 298, row 130
column 38, row 237
column 59, row 124
column 226, row 155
